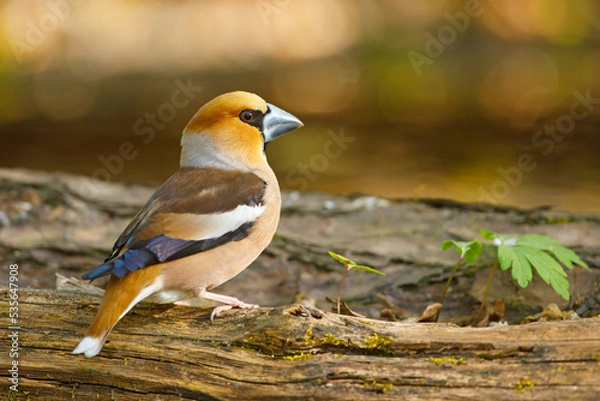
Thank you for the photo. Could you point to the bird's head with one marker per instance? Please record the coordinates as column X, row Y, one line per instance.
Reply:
column 231, row 131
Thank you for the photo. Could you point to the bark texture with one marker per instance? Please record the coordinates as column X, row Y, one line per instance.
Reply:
column 295, row 352
column 58, row 223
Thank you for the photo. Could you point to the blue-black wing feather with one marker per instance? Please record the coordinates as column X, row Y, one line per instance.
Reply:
column 162, row 249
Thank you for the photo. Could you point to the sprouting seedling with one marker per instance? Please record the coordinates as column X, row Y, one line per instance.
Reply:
column 467, row 252
column 349, row 265
column 538, row 251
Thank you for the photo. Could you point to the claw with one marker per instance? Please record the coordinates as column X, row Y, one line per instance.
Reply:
column 229, row 303
column 218, row 310
column 222, row 308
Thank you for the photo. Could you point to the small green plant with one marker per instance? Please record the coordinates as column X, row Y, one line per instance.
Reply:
column 467, row 252
column 523, row 253
column 349, row 265
column 520, row 253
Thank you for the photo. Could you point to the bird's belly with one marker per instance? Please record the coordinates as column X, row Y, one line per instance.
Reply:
column 168, row 296
column 208, row 269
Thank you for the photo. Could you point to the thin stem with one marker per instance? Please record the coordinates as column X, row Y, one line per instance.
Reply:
column 450, row 280
column 487, row 286
column 340, row 291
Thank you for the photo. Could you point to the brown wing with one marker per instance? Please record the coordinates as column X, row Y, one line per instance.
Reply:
column 193, row 211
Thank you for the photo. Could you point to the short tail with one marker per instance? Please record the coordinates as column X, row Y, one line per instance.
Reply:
column 121, row 295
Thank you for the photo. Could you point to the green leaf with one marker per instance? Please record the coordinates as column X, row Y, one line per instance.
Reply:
column 537, row 251
column 566, row 256
column 365, row 268
column 468, row 251
column 537, row 241
column 498, row 239
column 521, row 268
column 448, row 244
column 473, row 251
column 545, row 265
column 488, row 235
column 343, row 260
column 351, row 265
column 548, row 269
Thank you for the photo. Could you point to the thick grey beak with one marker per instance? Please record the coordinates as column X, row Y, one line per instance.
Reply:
column 278, row 122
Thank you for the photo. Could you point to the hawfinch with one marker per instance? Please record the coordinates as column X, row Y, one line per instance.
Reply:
column 206, row 223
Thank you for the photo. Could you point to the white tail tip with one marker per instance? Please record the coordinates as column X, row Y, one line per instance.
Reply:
column 89, row 346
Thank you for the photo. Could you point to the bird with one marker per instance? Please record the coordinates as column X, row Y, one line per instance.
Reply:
column 206, row 223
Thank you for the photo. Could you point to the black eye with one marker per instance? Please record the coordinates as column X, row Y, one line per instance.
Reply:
column 247, row 116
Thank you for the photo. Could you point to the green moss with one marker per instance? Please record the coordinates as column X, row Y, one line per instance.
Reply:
column 308, row 337
column 558, row 220
column 379, row 343
column 12, row 395
column 450, row 359
column 381, row 388
column 298, row 357
column 524, row 385
column 251, row 339
column 330, row 339
column 259, row 344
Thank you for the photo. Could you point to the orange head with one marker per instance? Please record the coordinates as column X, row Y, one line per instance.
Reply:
column 231, row 130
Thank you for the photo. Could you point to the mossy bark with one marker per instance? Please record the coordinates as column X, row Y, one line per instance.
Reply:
column 61, row 223
column 294, row 352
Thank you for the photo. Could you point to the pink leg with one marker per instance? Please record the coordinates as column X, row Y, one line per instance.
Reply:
column 230, row 303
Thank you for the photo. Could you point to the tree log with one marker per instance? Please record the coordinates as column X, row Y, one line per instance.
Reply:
column 61, row 223
column 295, row 352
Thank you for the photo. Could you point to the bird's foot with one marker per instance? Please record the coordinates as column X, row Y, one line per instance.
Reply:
column 222, row 308
column 229, row 303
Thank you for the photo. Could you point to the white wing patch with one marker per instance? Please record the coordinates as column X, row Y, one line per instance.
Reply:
column 222, row 223
column 197, row 227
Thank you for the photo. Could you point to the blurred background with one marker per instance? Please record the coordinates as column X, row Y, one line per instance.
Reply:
column 493, row 101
